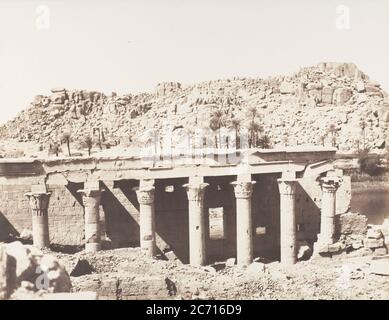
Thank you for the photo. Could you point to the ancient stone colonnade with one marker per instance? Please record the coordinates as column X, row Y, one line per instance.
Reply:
column 195, row 189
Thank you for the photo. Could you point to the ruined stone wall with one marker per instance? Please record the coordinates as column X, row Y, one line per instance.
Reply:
column 66, row 214
column 119, row 287
column 15, row 213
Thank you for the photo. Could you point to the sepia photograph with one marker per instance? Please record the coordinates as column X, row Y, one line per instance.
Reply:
column 204, row 151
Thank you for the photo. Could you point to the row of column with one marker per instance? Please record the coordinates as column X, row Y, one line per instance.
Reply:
column 195, row 191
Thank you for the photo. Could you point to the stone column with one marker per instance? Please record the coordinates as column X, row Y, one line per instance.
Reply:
column 195, row 191
column 244, row 221
column 329, row 186
column 287, row 189
column 91, row 199
column 145, row 194
column 39, row 202
column 103, row 227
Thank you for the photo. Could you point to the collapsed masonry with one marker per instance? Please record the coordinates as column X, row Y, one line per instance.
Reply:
column 295, row 109
column 268, row 201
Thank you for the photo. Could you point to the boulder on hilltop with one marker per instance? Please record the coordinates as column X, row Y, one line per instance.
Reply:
column 293, row 110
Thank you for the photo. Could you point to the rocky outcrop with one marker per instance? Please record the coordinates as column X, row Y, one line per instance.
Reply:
column 294, row 110
column 25, row 271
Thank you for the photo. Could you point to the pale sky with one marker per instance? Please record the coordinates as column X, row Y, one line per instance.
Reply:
column 130, row 46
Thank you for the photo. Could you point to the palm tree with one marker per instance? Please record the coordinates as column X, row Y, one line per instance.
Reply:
column 151, row 138
column 264, row 142
column 253, row 112
column 323, row 139
column 101, row 137
column 254, row 129
column 332, row 129
column 357, row 142
column 66, row 136
column 363, row 126
column 88, row 143
column 217, row 121
column 285, row 141
column 235, row 124
column 55, row 148
column 191, row 141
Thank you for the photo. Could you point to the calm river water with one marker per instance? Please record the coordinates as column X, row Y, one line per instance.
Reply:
column 372, row 202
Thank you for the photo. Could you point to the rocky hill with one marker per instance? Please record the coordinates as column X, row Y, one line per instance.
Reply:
column 297, row 109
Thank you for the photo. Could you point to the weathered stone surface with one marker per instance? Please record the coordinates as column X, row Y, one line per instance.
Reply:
column 352, row 223
column 26, row 234
column 357, row 244
column 287, row 87
column 7, row 274
column 230, row 262
column 380, row 251
column 373, row 243
column 342, row 95
column 335, row 248
column 118, row 115
column 343, row 195
column 59, row 280
column 256, row 268
column 360, row 86
column 385, row 228
column 327, row 95
column 28, row 270
column 25, row 263
column 380, row 267
column 386, row 240
column 304, row 251
column 374, row 233
column 3, row 273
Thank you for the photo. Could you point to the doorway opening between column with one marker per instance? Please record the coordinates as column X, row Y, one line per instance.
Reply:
column 220, row 218
column 217, row 223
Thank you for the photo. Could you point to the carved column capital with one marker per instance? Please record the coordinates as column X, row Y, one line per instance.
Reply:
column 243, row 189
column 330, row 184
column 39, row 201
column 195, row 191
column 90, row 197
column 287, row 186
column 145, row 194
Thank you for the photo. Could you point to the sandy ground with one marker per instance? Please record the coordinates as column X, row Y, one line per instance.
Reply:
column 343, row 277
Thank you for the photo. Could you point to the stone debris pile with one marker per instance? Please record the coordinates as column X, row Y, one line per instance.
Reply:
column 28, row 273
column 297, row 109
column 356, row 237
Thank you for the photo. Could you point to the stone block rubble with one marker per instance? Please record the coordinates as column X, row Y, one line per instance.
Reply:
column 28, row 273
column 294, row 110
column 356, row 237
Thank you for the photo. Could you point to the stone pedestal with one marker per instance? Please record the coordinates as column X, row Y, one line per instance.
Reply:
column 195, row 191
column 328, row 210
column 244, row 222
column 145, row 196
column 287, row 189
column 39, row 202
column 91, row 199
